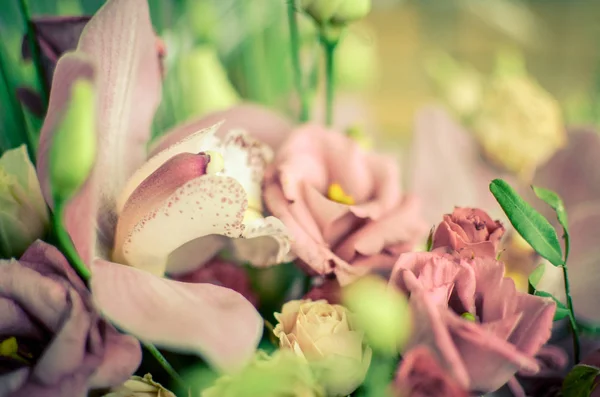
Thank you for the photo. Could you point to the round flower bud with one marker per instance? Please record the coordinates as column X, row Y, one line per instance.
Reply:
column 279, row 375
column 23, row 214
column 326, row 336
column 336, row 12
column 73, row 150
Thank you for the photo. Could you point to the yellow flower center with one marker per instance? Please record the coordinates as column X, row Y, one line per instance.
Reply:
column 215, row 164
column 10, row 348
column 337, row 194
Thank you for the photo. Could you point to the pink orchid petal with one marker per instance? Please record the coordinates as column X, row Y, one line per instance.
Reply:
column 192, row 255
column 203, row 206
column 80, row 212
column 441, row 147
column 155, row 190
column 214, row 322
column 199, row 141
column 121, row 43
column 261, row 123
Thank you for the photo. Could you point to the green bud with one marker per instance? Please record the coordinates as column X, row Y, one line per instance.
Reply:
column 336, row 12
column 381, row 312
column 207, row 88
column 73, row 151
column 23, row 213
column 468, row 316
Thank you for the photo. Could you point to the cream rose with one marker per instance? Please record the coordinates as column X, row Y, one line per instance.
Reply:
column 325, row 335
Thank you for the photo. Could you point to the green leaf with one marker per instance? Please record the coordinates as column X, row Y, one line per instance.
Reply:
column 429, row 243
column 580, row 381
column 536, row 275
column 554, row 201
column 530, row 224
column 561, row 310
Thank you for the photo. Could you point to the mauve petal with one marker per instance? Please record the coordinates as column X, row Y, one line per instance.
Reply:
column 572, row 172
column 441, row 147
column 203, row 206
column 491, row 362
column 199, row 141
column 80, row 211
column 12, row 381
column 261, row 123
column 121, row 43
column 122, row 356
column 420, row 375
column 153, row 191
column 215, row 322
column 43, row 298
column 14, row 320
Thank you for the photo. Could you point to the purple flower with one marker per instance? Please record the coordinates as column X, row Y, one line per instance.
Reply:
column 54, row 342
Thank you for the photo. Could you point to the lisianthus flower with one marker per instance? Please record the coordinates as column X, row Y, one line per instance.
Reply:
column 342, row 205
column 167, row 214
column 52, row 340
column 480, row 328
column 469, row 232
column 420, row 375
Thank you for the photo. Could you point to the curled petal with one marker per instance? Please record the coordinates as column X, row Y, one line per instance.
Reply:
column 201, row 207
column 214, row 322
column 264, row 242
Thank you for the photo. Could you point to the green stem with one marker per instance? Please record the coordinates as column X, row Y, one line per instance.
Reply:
column 164, row 363
column 572, row 322
column 30, row 32
column 329, row 48
column 295, row 47
column 66, row 243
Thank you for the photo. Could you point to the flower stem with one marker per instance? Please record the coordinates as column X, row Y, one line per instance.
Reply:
column 164, row 363
column 572, row 321
column 295, row 48
column 66, row 243
column 329, row 49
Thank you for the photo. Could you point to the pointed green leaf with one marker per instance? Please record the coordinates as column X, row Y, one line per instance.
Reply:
column 536, row 275
column 561, row 310
column 530, row 224
column 554, row 201
column 580, row 382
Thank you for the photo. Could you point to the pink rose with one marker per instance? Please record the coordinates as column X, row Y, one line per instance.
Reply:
column 420, row 375
column 481, row 329
column 46, row 308
column 342, row 205
column 469, row 232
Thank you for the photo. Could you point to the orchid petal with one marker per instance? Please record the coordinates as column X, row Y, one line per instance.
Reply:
column 203, row 206
column 121, row 43
column 264, row 242
column 214, row 322
column 261, row 123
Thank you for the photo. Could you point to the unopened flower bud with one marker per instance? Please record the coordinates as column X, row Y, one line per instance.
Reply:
column 74, row 147
column 23, row 214
column 336, row 12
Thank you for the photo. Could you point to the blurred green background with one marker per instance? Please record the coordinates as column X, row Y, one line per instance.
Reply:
column 380, row 67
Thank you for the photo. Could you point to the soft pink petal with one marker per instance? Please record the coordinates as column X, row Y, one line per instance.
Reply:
column 446, row 167
column 264, row 242
column 262, row 123
column 215, row 322
column 121, row 43
column 122, row 356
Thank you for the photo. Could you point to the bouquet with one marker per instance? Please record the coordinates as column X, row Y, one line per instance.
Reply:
column 259, row 249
